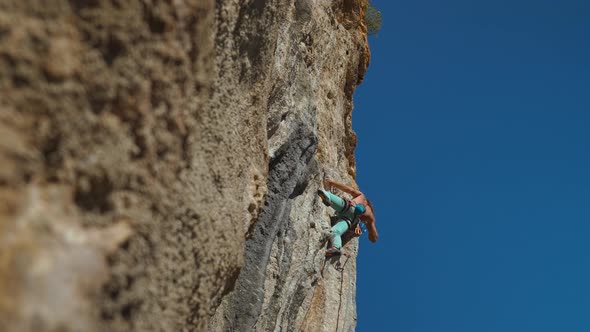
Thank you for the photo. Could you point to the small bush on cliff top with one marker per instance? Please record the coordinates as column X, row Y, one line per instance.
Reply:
column 373, row 19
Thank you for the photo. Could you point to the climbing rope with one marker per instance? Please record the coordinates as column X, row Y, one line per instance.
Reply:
column 314, row 289
column 341, row 269
column 341, row 286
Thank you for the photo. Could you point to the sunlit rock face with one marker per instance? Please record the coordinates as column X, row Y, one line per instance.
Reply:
column 159, row 162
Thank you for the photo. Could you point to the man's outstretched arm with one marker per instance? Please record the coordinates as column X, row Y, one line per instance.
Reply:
column 343, row 187
column 373, row 235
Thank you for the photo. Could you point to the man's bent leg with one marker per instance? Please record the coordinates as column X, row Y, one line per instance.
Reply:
column 336, row 233
column 335, row 201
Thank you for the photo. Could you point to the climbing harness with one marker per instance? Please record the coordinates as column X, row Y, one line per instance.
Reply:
column 345, row 210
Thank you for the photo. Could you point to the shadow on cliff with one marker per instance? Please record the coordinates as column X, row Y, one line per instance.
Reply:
column 289, row 173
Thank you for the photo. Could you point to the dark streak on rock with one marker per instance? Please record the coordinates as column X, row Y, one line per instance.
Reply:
column 287, row 169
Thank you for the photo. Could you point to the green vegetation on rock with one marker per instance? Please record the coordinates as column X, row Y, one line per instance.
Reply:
column 373, row 19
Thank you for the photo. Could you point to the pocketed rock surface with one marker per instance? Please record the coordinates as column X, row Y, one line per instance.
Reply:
column 159, row 162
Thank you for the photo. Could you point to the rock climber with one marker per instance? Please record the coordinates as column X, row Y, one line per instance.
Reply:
column 348, row 212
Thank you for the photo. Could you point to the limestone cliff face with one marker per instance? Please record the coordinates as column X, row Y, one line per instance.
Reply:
column 159, row 162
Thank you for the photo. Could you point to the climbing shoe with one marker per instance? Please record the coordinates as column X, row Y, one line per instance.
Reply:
column 333, row 251
column 324, row 198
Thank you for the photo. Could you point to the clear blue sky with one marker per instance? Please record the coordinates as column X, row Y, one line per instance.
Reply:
column 474, row 143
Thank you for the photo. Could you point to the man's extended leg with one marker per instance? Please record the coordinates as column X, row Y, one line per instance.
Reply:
column 336, row 237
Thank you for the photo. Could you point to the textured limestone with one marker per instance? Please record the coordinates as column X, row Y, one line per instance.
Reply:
column 105, row 100
column 319, row 57
column 159, row 161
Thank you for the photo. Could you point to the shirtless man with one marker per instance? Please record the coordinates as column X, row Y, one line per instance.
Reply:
column 359, row 208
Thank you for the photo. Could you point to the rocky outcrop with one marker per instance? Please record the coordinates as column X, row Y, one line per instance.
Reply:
column 159, row 163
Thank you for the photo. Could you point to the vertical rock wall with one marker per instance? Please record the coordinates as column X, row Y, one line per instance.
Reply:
column 313, row 56
column 159, row 161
